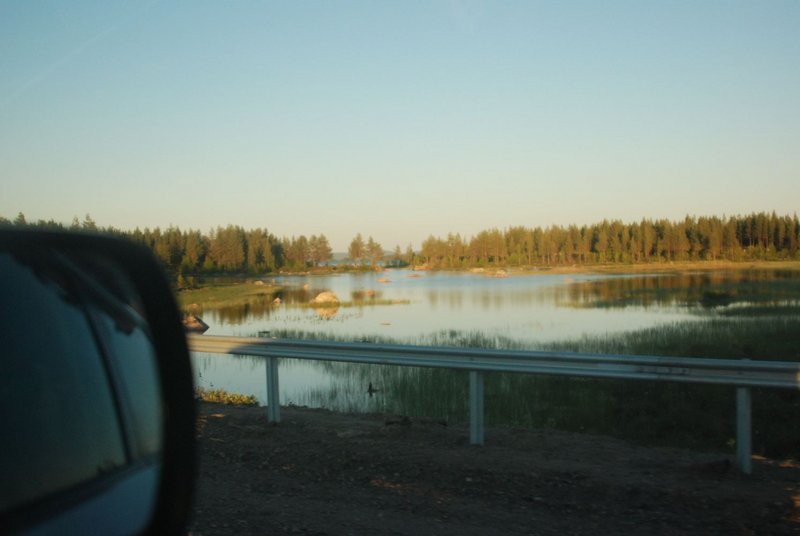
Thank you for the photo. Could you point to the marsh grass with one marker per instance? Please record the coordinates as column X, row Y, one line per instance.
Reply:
column 215, row 297
column 646, row 412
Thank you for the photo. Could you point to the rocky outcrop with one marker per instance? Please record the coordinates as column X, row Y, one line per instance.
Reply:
column 194, row 324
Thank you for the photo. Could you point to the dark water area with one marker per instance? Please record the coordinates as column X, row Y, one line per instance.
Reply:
column 695, row 291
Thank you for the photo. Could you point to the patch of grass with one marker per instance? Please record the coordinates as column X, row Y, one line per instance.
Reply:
column 766, row 338
column 221, row 396
column 215, row 297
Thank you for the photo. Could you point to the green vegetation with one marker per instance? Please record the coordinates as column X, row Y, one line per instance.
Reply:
column 221, row 396
column 232, row 249
column 759, row 236
column 658, row 413
column 762, row 337
column 215, row 297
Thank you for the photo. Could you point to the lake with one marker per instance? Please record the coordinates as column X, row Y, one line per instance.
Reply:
column 530, row 311
column 534, row 308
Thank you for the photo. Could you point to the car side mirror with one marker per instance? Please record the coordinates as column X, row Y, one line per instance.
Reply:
column 96, row 389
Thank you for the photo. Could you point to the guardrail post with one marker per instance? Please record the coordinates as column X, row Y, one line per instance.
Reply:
column 476, row 413
column 744, row 430
column 273, row 395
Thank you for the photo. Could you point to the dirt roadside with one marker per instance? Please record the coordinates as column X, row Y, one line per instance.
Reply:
column 320, row 472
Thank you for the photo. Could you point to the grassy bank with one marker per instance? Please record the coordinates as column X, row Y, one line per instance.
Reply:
column 767, row 338
column 655, row 413
column 214, row 297
column 218, row 297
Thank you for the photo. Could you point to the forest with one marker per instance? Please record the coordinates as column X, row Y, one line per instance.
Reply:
column 235, row 250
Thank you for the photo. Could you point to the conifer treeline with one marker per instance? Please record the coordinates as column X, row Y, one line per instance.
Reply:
column 756, row 236
column 230, row 249
column 233, row 249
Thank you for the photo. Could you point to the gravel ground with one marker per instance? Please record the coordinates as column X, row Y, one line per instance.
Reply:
column 320, row 472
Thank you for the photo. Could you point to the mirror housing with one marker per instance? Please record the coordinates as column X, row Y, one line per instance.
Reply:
column 96, row 388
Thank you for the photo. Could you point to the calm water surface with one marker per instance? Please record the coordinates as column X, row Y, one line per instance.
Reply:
column 534, row 309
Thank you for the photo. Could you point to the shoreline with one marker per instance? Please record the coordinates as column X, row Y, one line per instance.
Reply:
column 607, row 268
column 643, row 268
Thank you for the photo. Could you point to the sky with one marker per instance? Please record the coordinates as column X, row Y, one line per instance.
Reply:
column 397, row 120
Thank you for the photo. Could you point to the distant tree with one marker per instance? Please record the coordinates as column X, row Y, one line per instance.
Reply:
column 397, row 256
column 168, row 247
column 232, row 249
column 549, row 246
column 793, row 235
column 88, row 224
column 320, row 249
column 52, row 224
column 648, row 238
column 478, row 247
column 585, row 244
column 194, row 252
column 356, row 250
column 297, row 251
column 259, row 251
column 374, row 252
column 616, row 232
column 497, row 246
column 302, row 251
column 226, row 248
column 433, row 251
column 454, row 249
column 573, row 244
column 324, row 249
column 680, row 241
column 729, row 242
column 313, row 244
column 409, row 256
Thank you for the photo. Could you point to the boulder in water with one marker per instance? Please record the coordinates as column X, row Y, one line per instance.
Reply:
column 194, row 324
column 325, row 298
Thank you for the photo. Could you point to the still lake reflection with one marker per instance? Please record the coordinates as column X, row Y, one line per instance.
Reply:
column 531, row 309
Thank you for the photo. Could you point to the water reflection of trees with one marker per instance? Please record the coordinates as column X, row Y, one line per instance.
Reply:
column 326, row 313
column 267, row 306
column 705, row 289
column 701, row 289
column 261, row 307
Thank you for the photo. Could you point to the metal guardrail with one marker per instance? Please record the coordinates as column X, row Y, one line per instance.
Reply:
column 740, row 373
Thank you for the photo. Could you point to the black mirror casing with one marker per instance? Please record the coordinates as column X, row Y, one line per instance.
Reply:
column 109, row 270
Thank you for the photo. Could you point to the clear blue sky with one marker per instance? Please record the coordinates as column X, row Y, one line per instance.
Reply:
column 397, row 119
